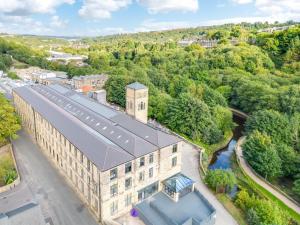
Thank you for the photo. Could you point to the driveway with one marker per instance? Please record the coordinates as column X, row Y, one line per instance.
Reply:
column 190, row 167
column 59, row 203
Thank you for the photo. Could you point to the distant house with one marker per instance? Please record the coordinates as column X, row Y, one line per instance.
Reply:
column 65, row 58
column 95, row 82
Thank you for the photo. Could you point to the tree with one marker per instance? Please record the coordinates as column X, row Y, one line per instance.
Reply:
column 183, row 116
column 260, row 153
column 220, row 180
column 9, row 122
column 260, row 211
column 296, row 187
column 271, row 123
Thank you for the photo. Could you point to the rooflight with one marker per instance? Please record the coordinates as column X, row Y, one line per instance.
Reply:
column 112, row 132
column 147, row 136
column 104, row 128
column 119, row 136
column 97, row 124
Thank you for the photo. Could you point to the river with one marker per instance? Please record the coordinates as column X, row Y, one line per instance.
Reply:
column 222, row 158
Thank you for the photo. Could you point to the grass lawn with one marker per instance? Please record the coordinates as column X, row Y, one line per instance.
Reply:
column 7, row 169
column 237, row 214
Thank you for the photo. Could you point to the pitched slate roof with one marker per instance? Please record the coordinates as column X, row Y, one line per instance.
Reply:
column 106, row 136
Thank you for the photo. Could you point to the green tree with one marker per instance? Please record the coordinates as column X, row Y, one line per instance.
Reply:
column 183, row 116
column 271, row 123
column 220, row 180
column 9, row 122
column 261, row 155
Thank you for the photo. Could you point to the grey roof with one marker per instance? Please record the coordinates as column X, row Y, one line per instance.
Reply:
column 92, row 76
column 137, row 86
column 86, row 124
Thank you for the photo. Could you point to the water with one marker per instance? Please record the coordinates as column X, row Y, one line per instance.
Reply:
column 222, row 158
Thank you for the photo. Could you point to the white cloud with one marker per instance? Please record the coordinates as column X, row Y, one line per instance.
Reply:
column 242, row 1
column 22, row 25
column 25, row 7
column 152, row 25
column 57, row 22
column 156, row 6
column 279, row 8
column 101, row 9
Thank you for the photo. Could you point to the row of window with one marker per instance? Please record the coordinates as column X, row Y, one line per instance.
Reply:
column 128, row 182
column 114, row 205
column 128, row 166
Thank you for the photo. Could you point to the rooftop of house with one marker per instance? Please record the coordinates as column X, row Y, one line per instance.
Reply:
column 86, row 77
column 106, row 136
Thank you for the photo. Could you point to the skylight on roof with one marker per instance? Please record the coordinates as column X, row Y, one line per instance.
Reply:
column 104, row 128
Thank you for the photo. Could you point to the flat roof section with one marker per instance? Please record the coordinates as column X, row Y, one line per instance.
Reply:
column 192, row 209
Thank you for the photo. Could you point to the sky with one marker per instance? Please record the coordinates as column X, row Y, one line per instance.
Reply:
column 105, row 17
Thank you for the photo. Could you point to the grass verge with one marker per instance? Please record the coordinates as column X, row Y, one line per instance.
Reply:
column 236, row 213
column 8, row 171
column 246, row 182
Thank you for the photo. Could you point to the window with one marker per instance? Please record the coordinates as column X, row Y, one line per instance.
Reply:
column 113, row 174
column 142, row 161
column 88, row 165
column 113, row 208
column 128, row 199
column 81, row 157
column 151, row 158
column 113, row 190
column 128, row 183
column 151, row 172
column 141, row 176
column 128, row 167
column 174, row 150
column 174, row 161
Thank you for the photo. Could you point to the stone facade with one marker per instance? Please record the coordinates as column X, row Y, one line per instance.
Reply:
column 108, row 194
column 95, row 81
column 137, row 103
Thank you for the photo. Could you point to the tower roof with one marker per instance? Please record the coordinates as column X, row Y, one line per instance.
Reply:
column 136, row 86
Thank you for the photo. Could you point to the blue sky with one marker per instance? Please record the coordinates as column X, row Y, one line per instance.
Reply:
column 103, row 17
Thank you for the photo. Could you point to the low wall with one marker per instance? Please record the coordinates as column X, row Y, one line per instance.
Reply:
column 9, row 148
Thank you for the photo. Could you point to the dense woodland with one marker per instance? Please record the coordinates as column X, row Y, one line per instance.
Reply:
column 191, row 88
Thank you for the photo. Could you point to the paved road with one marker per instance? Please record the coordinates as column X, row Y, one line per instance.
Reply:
column 246, row 167
column 58, row 202
column 190, row 167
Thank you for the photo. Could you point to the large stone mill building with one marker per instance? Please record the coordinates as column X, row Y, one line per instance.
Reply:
column 111, row 159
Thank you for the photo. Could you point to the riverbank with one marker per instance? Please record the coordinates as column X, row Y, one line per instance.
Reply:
column 266, row 189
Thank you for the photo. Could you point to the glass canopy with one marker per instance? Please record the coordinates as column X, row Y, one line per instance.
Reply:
column 178, row 182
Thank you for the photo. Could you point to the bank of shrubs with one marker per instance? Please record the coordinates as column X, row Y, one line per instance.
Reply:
column 260, row 211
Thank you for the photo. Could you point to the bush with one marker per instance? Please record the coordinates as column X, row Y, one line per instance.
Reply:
column 220, row 180
column 260, row 211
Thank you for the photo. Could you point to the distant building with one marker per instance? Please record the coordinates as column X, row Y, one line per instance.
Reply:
column 65, row 58
column 99, row 96
column 273, row 29
column 95, row 82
